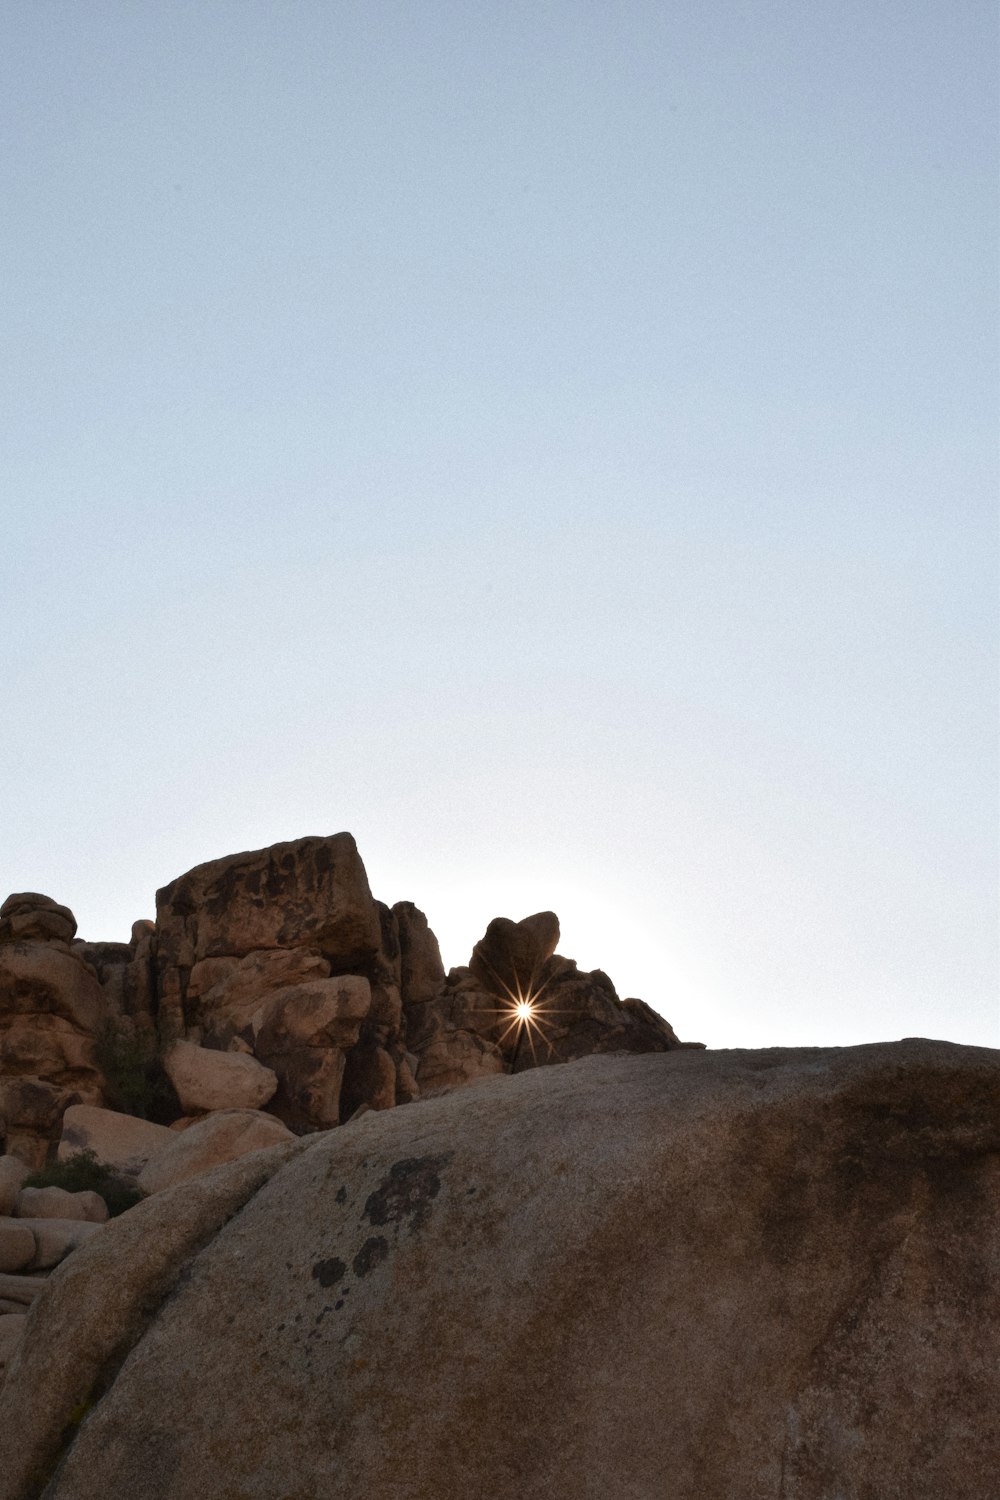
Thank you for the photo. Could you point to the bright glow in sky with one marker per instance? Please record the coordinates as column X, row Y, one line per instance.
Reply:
column 555, row 442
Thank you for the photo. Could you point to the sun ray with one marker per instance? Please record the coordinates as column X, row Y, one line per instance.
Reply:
column 520, row 1013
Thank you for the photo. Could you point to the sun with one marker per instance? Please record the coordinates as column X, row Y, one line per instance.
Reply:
column 525, row 1019
column 521, row 1014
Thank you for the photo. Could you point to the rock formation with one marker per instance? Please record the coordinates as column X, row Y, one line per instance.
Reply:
column 764, row 1275
column 273, row 980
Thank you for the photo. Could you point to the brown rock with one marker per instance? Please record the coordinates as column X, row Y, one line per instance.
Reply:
column 31, row 1105
column 99, row 1304
column 36, row 978
column 12, row 1175
column 457, row 1058
column 312, row 893
column 50, row 1009
column 57, row 1238
column 118, row 1140
column 57, row 1203
column 309, row 1082
column 220, row 1137
column 207, row 1080
column 421, row 969
column 369, row 1078
column 510, row 958
column 321, row 1013
column 223, row 993
column 124, row 972
column 303, row 1033
column 708, row 1275
column 389, row 951
column 386, row 1012
column 17, row 1246
column 30, row 917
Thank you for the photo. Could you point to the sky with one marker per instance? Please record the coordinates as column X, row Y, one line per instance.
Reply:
column 555, row 442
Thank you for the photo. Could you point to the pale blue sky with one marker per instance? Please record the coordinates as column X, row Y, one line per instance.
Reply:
column 555, row 442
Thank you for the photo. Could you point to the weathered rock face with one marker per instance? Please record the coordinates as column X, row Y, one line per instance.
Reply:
column 221, row 1137
column 207, row 1080
column 421, row 972
column 472, row 1027
column 31, row 918
column 510, row 960
column 689, row 1274
column 58, row 999
column 50, row 1010
column 312, row 894
column 117, row 1140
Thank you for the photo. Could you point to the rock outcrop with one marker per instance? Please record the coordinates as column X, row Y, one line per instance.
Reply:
column 702, row 1275
column 273, row 979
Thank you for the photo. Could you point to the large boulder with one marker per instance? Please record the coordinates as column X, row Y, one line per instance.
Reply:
column 223, row 993
column 56, row 1238
column 29, row 917
column 218, row 1138
column 206, row 1079
column 117, row 1140
column 51, row 1009
column 421, row 969
column 510, row 958
column 702, row 1275
column 311, row 894
column 58, row 1203
column 303, row 1033
column 45, row 979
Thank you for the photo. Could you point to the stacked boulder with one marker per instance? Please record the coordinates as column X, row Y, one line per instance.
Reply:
column 39, row 1227
column 51, row 1006
column 273, row 985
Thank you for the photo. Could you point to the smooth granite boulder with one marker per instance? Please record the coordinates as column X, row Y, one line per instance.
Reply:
column 708, row 1276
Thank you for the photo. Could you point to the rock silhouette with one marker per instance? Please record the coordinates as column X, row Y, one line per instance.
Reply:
column 274, row 979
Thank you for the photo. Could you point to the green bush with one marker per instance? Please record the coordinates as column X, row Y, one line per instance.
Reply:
column 83, row 1173
column 131, row 1061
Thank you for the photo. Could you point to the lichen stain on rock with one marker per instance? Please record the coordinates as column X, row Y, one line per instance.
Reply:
column 407, row 1192
column 372, row 1253
column 326, row 1272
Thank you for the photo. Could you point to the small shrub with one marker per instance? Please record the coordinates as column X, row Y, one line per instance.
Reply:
column 131, row 1061
column 82, row 1173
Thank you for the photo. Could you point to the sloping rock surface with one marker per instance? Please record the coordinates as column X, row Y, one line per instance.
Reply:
column 708, row 1276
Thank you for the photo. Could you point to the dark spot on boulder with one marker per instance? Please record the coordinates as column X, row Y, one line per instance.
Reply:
column 407, row 1192
column 326, row 1272
column 341, row 1195
column 372, row 1253
column 338, row 1304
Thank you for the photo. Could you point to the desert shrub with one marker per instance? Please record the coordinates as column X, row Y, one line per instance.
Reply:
column 83, row 1173
column 132, row 1062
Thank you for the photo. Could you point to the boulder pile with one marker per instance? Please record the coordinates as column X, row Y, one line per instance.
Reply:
column 273, row 981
